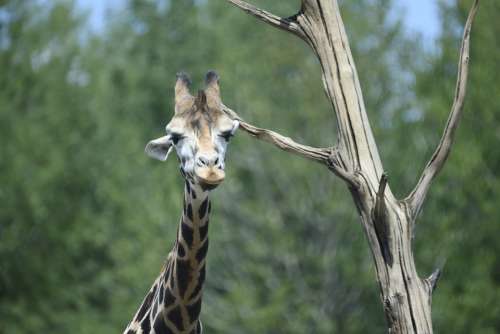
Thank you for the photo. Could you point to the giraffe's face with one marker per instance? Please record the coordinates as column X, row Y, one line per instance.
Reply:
column 199, row 131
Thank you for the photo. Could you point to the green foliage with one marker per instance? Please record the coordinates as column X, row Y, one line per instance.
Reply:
column 86, row 219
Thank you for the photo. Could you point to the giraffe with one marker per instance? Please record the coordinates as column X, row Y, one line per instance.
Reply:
column 199, row 131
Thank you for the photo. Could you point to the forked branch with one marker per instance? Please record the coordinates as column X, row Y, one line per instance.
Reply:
column 438, row 159
column 356, row 160
column 287, row 24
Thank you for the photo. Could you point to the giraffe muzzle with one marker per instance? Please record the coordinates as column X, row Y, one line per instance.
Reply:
column 210, row 176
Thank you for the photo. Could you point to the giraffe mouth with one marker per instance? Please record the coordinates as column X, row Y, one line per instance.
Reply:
column 210, row 177
column 208, row 184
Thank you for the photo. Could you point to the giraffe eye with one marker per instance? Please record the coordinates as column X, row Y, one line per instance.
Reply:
column 175, row 137
column 226, row 135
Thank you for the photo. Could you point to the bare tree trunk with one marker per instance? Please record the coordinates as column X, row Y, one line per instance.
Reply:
column 387, row 221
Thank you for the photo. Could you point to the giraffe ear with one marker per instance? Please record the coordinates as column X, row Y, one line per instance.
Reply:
column 159, row 148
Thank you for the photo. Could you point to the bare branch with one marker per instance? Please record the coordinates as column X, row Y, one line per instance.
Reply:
column 330, row 156
column 287, row 24
column 438, row 159
column 433, row 279
column 285, row 143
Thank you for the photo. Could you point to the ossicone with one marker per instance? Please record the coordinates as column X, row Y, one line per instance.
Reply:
column 184, row 78
column 211, row 77
column 182, row 94
column 212, row 89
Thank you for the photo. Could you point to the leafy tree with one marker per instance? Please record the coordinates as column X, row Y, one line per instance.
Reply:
column 49, row 197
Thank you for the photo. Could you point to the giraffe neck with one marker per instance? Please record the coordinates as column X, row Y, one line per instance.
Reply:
column 173, row 304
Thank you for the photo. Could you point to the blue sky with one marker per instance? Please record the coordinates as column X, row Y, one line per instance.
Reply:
column 420, row 15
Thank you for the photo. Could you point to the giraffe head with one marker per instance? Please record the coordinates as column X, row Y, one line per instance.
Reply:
column 199, row 131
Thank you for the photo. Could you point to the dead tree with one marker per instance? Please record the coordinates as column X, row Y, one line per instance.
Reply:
column 388, row 222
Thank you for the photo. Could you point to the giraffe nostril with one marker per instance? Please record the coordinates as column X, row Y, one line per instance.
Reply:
column 212, row 161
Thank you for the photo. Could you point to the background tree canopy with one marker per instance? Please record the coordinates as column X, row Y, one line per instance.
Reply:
column 86, row 219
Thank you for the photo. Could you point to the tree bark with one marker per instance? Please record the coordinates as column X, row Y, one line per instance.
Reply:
column 388, row 222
